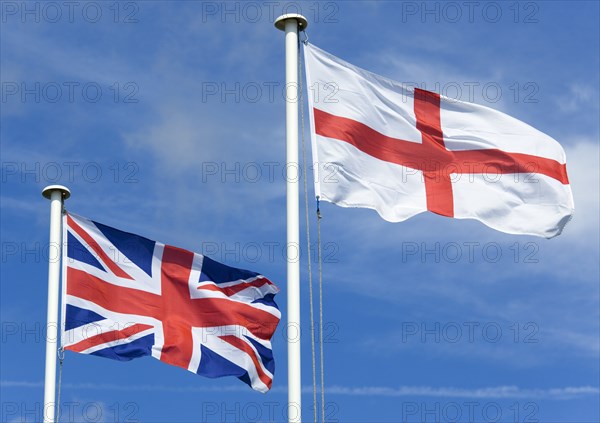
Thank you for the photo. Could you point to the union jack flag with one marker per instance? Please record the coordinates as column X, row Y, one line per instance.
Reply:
column 125, row 296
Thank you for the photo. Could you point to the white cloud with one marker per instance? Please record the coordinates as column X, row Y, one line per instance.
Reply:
column 481, row 393
column 583, row 166
column 580, row 97
column 496, row 392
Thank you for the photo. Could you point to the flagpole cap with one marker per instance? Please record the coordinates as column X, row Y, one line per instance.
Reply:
column 302, row 22
column 47, row 192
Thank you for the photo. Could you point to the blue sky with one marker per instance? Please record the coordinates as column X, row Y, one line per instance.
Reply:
column 167, row 119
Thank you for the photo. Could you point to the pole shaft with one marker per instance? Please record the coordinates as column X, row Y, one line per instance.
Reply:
column 56, row 203
column 293, row 220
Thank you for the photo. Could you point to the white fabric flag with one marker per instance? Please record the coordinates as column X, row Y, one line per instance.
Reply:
column 401, row 151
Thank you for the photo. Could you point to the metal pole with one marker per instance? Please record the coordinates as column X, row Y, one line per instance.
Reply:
column 56, row 194
column 291, row 24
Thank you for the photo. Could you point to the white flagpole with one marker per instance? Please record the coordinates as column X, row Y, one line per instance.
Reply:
column 291, row 23
column 56, row 194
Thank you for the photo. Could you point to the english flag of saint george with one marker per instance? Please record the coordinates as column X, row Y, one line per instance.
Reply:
column 401, row 151
column 125, row 296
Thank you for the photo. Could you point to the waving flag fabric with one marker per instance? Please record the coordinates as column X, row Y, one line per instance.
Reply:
column 125, row 296
column 402, row 151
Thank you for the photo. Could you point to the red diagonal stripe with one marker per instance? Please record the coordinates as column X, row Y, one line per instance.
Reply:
column 234, row 289
column 94, row 246
column 105, row 337
column 241, row 345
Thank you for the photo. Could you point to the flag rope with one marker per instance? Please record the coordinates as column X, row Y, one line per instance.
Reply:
column 60, row 353
column 310, row 280
column 61, row 357
column 322, row 356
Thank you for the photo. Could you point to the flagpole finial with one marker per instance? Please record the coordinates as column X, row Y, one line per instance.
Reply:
column 280, row 21
column 47, row 192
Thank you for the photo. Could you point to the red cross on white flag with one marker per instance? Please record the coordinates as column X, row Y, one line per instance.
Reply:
column 402, row 151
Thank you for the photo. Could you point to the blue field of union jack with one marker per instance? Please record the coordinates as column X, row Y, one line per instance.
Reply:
column 125, row 296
